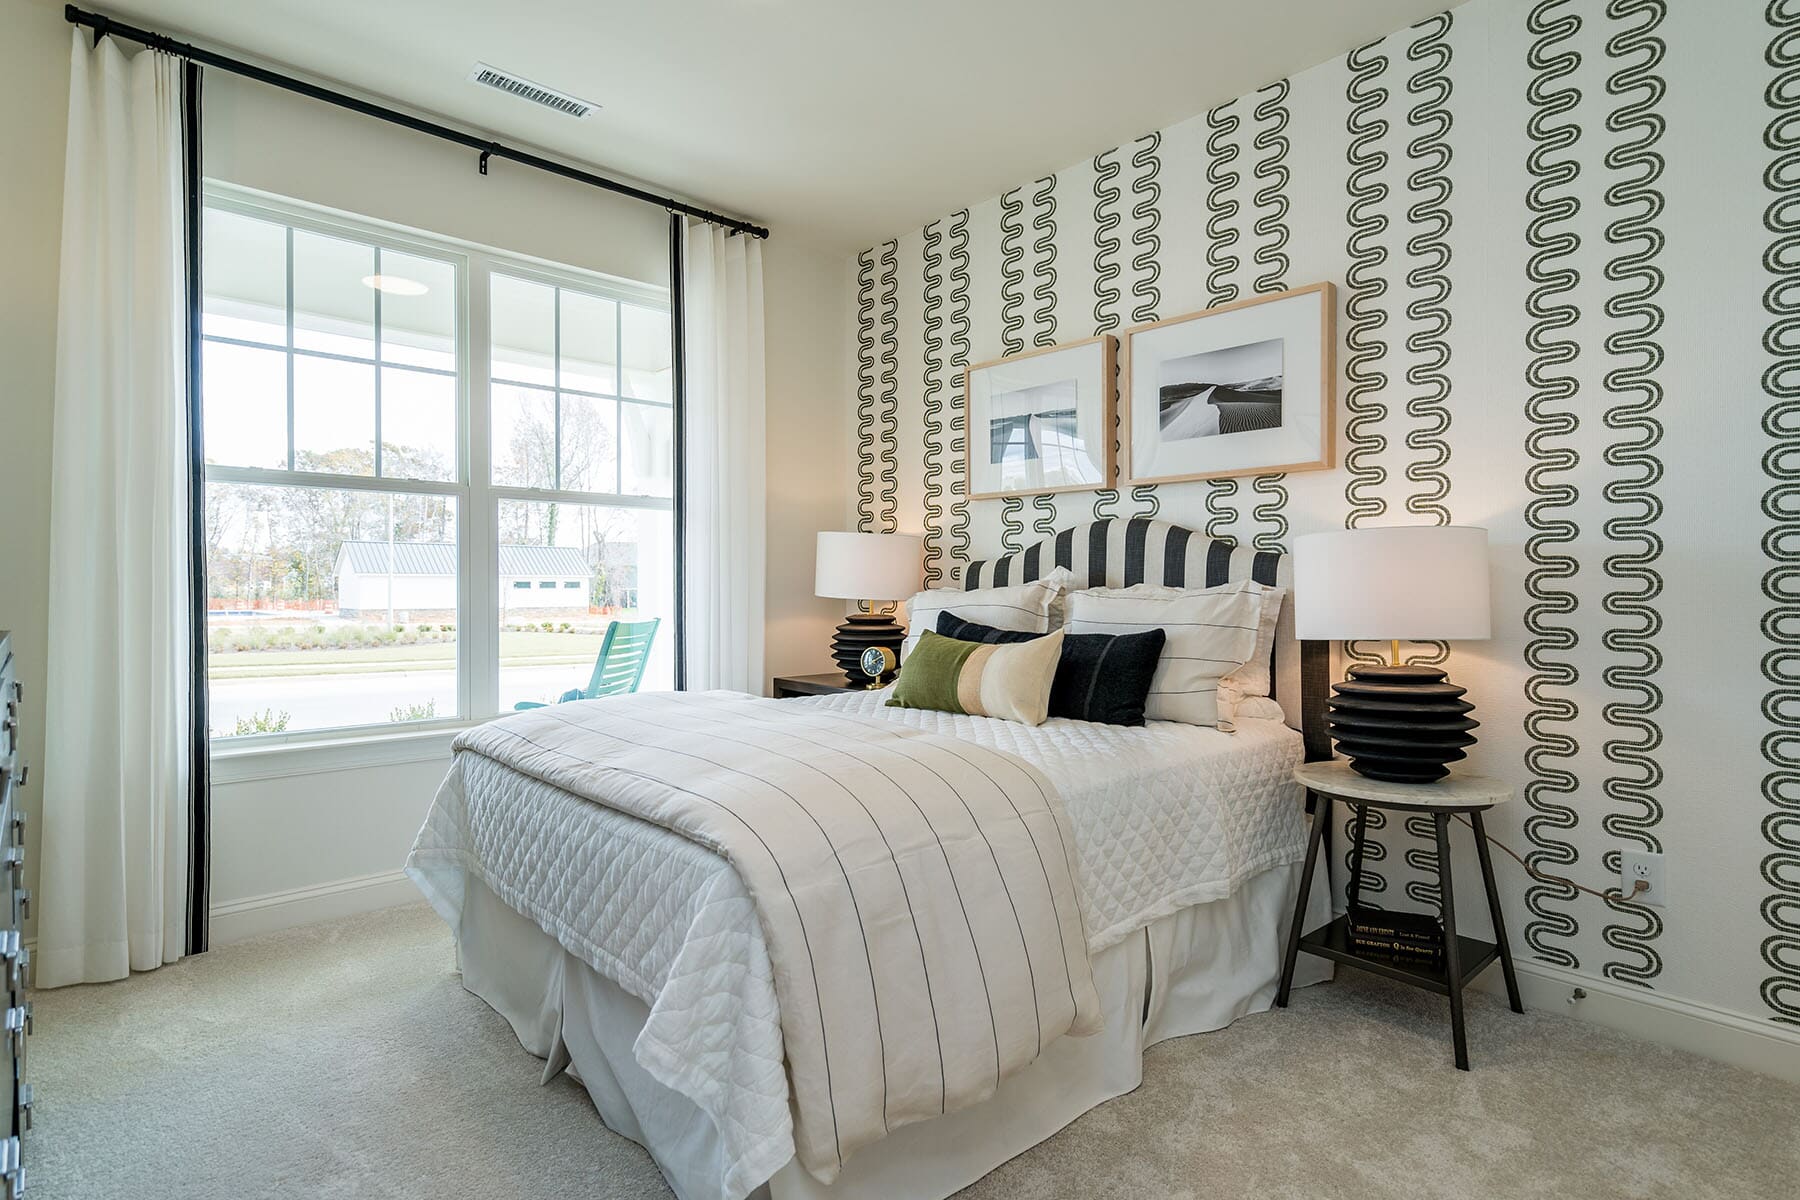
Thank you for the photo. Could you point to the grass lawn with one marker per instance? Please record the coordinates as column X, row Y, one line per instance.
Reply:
column 516, row 650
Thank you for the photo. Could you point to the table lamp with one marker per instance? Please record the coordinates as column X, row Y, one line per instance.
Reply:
column 1393, row 584
column 868, row 567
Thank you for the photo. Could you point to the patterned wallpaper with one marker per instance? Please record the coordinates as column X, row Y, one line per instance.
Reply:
column 1566, row 240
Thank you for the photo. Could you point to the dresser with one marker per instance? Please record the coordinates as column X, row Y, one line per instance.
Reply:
column 15, row 904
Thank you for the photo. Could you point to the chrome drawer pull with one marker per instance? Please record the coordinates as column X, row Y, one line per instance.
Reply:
column 12, row 1171
column 25, row 1104
column 18, row 1031
column 23, row 897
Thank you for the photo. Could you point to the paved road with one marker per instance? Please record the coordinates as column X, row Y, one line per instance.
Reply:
column 324, row 701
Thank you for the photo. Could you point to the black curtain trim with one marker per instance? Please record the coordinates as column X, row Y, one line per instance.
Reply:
column 200, row 798
column 678, row 381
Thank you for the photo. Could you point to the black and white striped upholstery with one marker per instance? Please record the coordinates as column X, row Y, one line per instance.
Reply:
column 1120, row 553
column 1123, row 552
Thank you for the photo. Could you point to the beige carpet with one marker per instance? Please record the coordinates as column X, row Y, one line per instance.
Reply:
column 345, row 1060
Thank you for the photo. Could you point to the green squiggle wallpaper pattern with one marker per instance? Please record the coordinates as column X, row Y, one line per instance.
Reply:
column 1538, row 328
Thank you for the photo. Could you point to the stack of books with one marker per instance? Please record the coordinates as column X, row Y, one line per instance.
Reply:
column 1402, row 936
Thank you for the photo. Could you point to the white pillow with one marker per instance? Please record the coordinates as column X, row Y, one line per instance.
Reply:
column 1026, row 608
column 1209, row 634
column 1252, row 679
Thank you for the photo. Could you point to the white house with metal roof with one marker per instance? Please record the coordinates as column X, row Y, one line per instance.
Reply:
column 420, row 577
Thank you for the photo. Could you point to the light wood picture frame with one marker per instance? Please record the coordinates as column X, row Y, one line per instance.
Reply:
column 1041, row 421
column 1228, row 390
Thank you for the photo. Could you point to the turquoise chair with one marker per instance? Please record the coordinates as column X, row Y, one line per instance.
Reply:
column 620, row 667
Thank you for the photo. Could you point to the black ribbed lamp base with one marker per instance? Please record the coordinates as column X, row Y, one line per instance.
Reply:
column 1402, row 724
column 858, row 632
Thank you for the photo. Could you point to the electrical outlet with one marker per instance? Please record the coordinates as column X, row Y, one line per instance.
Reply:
column 1636, row 865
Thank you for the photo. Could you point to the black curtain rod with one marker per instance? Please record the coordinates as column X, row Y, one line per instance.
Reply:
column 103, row 25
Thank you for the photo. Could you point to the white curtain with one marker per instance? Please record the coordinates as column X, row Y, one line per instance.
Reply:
column 117, row 761
column 724, row 481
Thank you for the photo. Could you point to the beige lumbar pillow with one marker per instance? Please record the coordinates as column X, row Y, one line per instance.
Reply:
column 1011, row 682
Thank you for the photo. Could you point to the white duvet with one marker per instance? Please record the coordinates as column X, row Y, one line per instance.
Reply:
column 1164, row 816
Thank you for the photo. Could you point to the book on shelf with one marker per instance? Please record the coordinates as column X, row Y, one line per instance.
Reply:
column 1415, row 936
column 1398, row 950
column 1410, row 926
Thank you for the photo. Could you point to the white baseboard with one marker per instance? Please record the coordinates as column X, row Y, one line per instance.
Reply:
column 1730, row 1037
column 253, row 915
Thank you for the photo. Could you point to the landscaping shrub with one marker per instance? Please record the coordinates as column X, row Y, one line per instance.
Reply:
column 266, row 721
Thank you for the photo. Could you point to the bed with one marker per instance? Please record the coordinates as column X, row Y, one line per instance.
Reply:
column 637, row 958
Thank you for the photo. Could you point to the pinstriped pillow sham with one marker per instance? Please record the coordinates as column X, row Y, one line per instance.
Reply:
column 1210, row 634
column 1027, row 607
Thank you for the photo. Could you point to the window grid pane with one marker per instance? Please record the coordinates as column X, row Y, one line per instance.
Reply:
column 324, row 327
column 353, row 378
column 329, row 608
column 533, row 321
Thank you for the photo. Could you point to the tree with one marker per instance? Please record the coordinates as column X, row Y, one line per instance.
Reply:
column 268, row 540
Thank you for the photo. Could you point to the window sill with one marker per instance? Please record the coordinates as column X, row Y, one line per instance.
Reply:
column 233, row 764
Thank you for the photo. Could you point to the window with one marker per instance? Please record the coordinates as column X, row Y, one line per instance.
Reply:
column 583, row 424
column 581, row 392
column 550, row 650
column 353, row 485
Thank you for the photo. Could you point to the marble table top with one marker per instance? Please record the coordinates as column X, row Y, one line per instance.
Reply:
column 1455, row 791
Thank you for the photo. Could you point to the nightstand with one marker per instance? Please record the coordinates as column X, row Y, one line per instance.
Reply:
column 1464, row 957
column 829, row 684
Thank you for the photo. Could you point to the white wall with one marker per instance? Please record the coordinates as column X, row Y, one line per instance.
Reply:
column 297, row 847
column 807, row 295
column 368, row 593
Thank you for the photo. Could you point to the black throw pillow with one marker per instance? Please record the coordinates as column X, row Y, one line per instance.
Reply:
column 952, row 626
column 1100, row 677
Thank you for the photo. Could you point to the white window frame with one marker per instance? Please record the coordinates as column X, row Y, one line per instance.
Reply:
column 477, row 497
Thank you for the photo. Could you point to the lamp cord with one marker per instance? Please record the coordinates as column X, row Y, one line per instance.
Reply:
column 1637, row 885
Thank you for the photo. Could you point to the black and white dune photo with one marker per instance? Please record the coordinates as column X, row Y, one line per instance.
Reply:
column 1233, row 390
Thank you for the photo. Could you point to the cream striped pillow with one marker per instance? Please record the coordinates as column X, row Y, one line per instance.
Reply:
column 1027, row 607
column 1210, row 633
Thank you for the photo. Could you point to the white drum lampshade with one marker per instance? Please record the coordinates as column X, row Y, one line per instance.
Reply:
column 875, row 567
column 1400, row 583
column 868, row 566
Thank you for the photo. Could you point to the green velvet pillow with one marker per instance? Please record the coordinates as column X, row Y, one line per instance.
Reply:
column 1011, row 682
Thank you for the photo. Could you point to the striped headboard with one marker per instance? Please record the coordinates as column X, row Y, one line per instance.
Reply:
column 1120, row 553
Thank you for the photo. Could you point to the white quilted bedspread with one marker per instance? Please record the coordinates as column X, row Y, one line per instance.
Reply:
column 1165, row 816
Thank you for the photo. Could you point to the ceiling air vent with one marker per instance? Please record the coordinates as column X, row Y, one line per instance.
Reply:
column 537, row 93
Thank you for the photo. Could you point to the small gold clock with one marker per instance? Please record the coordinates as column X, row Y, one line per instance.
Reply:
column 878, row 662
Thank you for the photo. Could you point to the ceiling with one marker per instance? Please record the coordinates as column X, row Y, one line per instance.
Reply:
column 846, row 120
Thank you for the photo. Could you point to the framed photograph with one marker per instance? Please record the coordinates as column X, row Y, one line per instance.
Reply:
column 1242, row 389
column 1042, row 421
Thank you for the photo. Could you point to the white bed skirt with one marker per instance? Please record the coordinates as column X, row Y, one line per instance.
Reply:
column 1194, row 971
